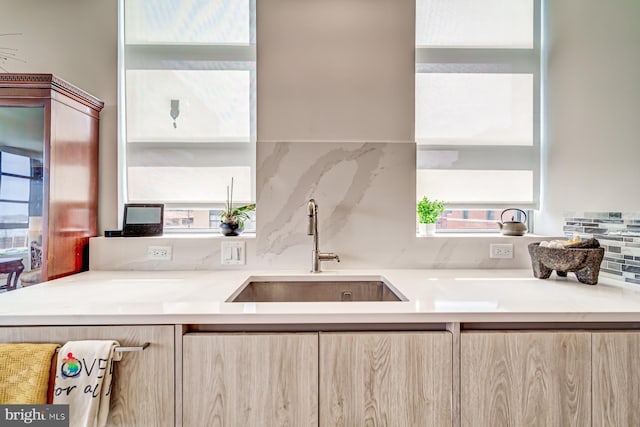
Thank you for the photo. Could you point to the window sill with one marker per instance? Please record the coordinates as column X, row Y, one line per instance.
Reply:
column 187, row 236
column 492, row 236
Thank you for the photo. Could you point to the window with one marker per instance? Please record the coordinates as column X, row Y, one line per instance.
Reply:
column 478, row 108
column 19, row 198
column 189, row 116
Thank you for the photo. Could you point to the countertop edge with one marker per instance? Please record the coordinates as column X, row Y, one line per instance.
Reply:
column 370, row 319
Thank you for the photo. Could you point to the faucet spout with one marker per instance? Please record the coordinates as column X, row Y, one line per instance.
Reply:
column 312, row 213
column 312, row 230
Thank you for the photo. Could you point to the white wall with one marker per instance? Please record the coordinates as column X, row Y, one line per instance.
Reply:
column 592, row 161
column 77, row 41
column 336, row 70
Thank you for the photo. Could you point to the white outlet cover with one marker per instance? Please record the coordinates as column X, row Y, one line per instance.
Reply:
column 501, row 250
column 162, row 253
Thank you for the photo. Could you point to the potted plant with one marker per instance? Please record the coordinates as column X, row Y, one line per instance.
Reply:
column 428, row 213
column 232, row 218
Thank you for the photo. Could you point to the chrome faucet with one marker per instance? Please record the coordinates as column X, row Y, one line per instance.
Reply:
column 312, row 230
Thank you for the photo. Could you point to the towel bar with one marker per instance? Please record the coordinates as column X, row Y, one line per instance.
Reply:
column 127, row 349
column 136, row 348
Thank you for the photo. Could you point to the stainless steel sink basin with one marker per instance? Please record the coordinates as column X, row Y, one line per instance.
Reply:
column 316, row 289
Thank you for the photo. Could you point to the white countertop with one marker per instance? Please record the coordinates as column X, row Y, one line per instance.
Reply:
column 198, row 297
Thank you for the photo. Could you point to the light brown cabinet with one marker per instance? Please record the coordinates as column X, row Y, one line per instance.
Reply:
column 48, row 174
column 533, row 378
column 382, row 379
column 616, row 378
column 250, row 379
column 143, row 387
column 537, row 378
column 373, row 379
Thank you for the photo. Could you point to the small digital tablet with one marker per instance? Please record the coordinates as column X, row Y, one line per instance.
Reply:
column 143, row 219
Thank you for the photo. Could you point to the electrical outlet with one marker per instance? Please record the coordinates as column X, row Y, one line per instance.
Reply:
column 501, row 250
column 159, row 253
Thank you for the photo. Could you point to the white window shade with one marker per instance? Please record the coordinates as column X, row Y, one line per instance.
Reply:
column 213, row 105
column 186, row 185
column 475, row 23
column 476, row 187
column 474, row 109
column 478, row 102
column 187, row 21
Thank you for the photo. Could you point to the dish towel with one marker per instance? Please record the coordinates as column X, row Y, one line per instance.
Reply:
column 83, row 380
column 24, row 373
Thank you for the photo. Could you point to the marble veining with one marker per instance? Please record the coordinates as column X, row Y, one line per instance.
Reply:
column 350, row 182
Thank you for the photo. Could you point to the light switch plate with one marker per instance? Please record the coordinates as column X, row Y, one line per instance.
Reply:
column 232, row 253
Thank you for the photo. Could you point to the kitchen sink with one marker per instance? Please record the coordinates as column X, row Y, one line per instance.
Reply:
column 316, row 289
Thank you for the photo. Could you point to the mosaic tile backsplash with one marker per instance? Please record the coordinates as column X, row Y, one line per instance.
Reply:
column 618, row 233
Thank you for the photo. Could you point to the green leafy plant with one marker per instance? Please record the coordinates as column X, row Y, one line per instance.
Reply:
column 429, row 210
column 235, row 215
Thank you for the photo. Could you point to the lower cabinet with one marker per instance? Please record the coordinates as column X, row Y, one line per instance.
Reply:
column 507, row 378
column 386, row 379
column 616, row 378
column 250, row 379
column 372, row 379
column 143, row 387
column 525, row 379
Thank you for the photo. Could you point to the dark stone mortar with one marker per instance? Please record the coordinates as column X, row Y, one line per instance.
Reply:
column 583, row 258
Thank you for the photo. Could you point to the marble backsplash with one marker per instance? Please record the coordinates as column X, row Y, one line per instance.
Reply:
column 365, row 207
column 366, row 216
column 618, row 233
column 203, row 253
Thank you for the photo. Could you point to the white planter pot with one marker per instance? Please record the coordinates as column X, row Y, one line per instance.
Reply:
column 426, row 229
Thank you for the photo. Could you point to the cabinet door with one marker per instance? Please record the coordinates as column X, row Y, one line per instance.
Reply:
column 250, row 380
column 385, row 379
column 616, row 378
column 525, row 379
column 143, row 387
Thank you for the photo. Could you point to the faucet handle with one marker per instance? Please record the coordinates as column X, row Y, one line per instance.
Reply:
column 330, row 256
